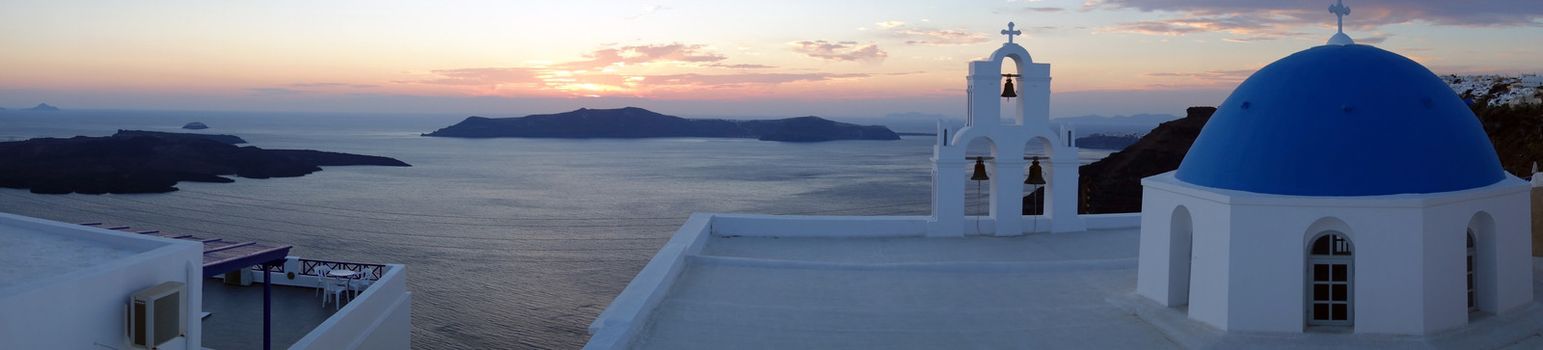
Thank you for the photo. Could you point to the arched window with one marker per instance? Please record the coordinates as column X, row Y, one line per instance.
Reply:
column 1330, row 277
column 1473, row 300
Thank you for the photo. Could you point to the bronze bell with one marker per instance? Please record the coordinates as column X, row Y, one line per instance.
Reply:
column 980, row 170
column 1008, row 90
column 1036, row 174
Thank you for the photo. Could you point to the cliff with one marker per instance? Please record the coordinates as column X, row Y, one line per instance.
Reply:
column 1107, row 142
column 633, row 122
column 1113, row 184
column 1516, row 130
column 153, row 162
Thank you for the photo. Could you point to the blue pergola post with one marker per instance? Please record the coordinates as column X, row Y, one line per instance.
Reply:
column 267, row 309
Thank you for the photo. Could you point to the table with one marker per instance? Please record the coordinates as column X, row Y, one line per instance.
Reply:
column 341, row 273
column 346, row 275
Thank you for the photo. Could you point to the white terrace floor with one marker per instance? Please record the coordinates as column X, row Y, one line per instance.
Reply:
column 1069, row 291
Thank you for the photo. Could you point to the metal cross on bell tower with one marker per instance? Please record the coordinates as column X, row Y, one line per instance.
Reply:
column 1010, row 32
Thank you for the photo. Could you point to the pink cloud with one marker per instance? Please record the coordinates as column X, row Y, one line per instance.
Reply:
column 479, row 76
column 921, row 35
column 840, row 51
column 639, row 54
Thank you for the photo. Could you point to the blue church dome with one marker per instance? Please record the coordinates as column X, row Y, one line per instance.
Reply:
column 1342, row 120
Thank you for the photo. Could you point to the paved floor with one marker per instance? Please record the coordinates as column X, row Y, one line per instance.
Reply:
column 1069, row 291
column 236, row 315
column 1041, row 291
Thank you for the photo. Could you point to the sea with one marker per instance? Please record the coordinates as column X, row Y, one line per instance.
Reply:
column 510, row 243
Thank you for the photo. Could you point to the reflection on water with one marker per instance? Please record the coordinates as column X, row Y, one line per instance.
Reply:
column 510, row 243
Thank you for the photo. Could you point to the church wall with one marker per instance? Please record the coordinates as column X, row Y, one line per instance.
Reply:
column 1389, row 278
column 1443, row 267
column 1210, row 287
column 1503, row 246
column 1153, row 257
column 1408, row 261
column 1514, row 267
column 1267, row 269
column 1208, row 283
column 1270, row 261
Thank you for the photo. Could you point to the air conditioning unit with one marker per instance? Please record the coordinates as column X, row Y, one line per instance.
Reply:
column 154, row 315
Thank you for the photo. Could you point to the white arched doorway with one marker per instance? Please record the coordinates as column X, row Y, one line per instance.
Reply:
column 1473, row 298
column 1181, row 232
column 1480, row 263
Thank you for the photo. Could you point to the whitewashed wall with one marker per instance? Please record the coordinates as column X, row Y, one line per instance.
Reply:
column 84, row 308
column 625, row 317
column 1249, row 255
column 380, row 318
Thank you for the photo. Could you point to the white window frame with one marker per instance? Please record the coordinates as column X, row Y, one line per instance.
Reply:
column 1310, row 299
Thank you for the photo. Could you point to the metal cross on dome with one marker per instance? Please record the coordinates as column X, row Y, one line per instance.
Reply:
column 1010, row 32
column 1340, row 10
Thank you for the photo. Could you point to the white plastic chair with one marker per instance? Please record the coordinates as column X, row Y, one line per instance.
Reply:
column 357, row 285
column 330, row 288
column 321, row 281
column 334, row 289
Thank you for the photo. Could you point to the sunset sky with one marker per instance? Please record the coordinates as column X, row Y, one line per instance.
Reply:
column 700, row 58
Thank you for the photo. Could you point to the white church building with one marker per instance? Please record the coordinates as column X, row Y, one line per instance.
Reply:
column 1341, row 186
column 1342, row 197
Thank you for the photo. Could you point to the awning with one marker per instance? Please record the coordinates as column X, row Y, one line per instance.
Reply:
column 220, row 255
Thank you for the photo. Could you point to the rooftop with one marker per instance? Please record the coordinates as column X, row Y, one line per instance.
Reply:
column 1033, row 291
column 220, row 255
column 36, row 249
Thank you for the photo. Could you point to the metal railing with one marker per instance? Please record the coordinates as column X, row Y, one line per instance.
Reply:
column 276, row 268
column 367, row 271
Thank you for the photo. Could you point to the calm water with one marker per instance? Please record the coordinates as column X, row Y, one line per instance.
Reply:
column 509, row 243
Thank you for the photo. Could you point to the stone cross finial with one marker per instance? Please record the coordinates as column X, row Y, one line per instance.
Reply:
column 1340, row 10
column 1010, row 32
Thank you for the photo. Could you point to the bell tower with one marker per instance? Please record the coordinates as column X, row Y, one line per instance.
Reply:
column 1026, row 129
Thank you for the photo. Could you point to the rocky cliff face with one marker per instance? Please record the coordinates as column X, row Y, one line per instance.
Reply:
column 633, row 122
column 1113, row 184
column 1516, row 130
column 1107, row 142
column 150, row 162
